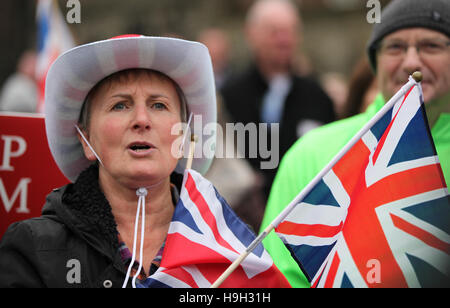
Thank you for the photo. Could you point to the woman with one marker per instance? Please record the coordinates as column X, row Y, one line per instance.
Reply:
column 111, row 107
column 113, row 116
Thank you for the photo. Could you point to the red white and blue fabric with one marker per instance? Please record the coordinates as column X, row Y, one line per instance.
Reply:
column 53, row 39
column 380, row 217
column 204, row 238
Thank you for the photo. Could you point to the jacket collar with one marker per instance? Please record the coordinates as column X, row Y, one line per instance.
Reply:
column 84, row 209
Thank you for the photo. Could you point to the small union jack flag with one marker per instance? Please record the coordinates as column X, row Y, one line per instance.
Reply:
column 380, row 217
column 204, row 238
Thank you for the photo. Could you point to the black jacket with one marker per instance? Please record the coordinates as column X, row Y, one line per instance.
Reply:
column 243, row 95
column 73, row 244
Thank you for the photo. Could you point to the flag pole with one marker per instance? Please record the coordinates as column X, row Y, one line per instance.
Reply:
column 191, row 151
column 242, row 257
column 415, row 79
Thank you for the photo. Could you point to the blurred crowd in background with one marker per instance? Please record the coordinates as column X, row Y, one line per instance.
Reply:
column 314, row 46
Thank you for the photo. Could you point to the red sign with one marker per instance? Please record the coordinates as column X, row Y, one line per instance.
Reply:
column 28, row 172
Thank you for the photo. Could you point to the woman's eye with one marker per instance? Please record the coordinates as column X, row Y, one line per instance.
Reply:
column 119, row 106
column 159, row 106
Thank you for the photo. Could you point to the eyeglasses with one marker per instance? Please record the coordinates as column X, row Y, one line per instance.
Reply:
column 427, row 48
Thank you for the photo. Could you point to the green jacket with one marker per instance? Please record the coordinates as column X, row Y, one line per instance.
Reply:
column 308, row 156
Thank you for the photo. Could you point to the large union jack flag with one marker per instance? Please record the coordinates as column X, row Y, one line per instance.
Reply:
column 204, row 238
column 380, row 217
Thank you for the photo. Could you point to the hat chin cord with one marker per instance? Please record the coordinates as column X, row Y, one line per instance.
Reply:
column 88, row 144
column 141, row 193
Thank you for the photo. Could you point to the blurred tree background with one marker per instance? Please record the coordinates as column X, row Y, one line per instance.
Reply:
column 335, row 31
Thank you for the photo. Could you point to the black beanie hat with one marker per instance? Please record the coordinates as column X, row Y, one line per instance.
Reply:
column 400, row 14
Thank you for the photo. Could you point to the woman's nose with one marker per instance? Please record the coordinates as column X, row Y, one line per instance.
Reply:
column 142, row 119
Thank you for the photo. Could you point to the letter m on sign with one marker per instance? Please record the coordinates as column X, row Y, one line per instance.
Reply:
column 22, row 190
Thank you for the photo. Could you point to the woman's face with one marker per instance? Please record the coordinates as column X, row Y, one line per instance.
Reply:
column 130, row 129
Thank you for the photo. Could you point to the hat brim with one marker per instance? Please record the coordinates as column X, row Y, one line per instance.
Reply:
column 78, row 70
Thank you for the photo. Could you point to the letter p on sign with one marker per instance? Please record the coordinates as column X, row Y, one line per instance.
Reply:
column 14, row 146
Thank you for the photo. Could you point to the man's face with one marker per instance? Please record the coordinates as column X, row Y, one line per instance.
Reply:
column 274, row 36
column 416, row 49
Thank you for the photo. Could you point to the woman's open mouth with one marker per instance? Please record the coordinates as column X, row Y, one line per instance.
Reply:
column 141, row 148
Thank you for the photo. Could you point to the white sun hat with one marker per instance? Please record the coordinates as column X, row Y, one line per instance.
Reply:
column 78, row 70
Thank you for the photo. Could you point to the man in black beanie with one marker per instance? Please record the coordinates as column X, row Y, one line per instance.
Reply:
column 407, row 25
column 414, row 35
